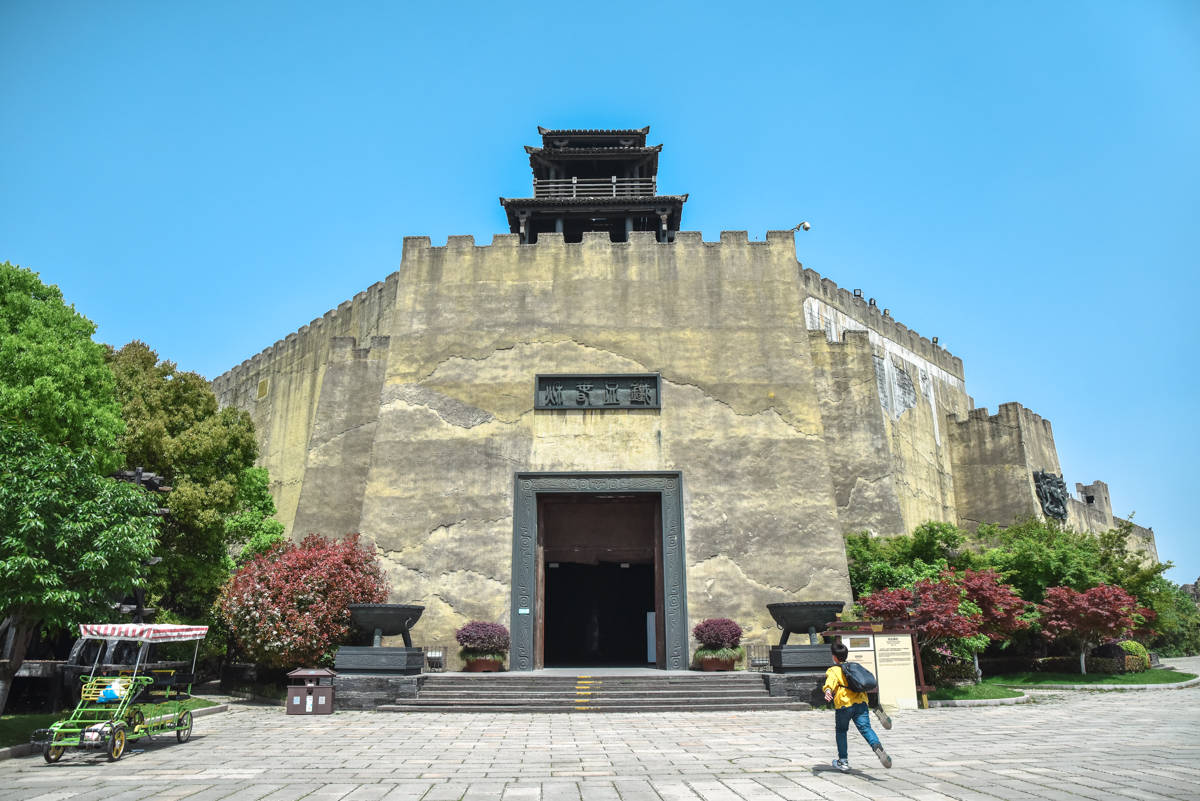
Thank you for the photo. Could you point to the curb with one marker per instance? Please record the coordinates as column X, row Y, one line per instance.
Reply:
column 26, row 749
column 260, row 699
column 14, row 751
column 1024, row 699
column 1106, row 687
column 209, row 710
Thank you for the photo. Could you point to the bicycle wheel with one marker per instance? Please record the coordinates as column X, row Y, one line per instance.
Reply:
column 116, row 742
column 136, row 722
column 184, row 731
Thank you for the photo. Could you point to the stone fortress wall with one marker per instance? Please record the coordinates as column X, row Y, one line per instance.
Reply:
column 795, row 410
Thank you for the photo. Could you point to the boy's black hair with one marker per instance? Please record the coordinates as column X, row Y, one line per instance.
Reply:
column 839, row 650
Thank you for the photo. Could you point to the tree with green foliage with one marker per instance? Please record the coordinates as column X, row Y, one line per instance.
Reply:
column 53, row 378
column 252, row 526
column 1127, row 568
column 72, row 542
column 1035, row 555
column 878, row 563
column 1177, row 619
column 175, row 429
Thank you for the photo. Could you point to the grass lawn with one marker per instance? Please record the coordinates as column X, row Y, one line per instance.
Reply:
column 16, row 729
column 973, row 693
column 1152, row 676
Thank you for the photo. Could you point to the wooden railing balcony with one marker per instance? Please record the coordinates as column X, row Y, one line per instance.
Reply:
column 593, row 187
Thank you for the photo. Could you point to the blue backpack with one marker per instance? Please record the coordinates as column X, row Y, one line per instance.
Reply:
column 858, row 679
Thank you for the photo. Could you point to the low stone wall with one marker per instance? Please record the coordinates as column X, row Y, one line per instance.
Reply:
column 366, row 691
column 804, row 688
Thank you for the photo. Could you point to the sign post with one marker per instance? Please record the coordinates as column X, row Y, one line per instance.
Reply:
column 888, row 653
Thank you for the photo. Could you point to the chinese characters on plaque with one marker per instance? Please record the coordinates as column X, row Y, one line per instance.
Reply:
column 638, row 391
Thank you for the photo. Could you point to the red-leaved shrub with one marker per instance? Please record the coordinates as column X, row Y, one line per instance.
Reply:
column 289, row 607
column 716, row 633
column 484, row 638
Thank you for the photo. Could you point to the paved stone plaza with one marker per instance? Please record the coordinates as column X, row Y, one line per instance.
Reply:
column 1068, row 745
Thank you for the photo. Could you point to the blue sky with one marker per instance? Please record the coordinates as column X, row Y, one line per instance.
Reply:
column 1018, row 179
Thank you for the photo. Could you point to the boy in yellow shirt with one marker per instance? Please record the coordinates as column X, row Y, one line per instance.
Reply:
column 847, row 706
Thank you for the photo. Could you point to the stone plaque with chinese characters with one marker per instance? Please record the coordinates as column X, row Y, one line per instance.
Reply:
column 636, row 391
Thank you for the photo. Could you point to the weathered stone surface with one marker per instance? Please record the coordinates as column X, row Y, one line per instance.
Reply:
column 383, row 660
column 367, row 691
column 794, row 411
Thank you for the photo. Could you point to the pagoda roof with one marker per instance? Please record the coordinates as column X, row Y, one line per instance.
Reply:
column 589, row 137
column 541, row 158
column 570, row 207
column 638, row 202
column 593, row 131
column 593, row 152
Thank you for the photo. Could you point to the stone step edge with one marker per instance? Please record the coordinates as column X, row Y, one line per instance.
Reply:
column 594, row 699
column 786, row 707
column 606, row 693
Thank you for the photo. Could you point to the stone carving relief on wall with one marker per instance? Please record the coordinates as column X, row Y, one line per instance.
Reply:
column 1052, row 493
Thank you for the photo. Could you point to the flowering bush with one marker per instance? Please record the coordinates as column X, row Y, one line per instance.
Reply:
column 480, row 640
column 289, row 607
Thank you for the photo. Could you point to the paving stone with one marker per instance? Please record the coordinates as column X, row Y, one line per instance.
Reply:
column 1072, row 747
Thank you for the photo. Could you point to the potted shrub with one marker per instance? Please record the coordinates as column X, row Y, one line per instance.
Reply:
column 484, row 646
column 719, row 639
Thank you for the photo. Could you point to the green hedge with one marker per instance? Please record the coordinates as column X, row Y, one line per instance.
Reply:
column 1141, row 657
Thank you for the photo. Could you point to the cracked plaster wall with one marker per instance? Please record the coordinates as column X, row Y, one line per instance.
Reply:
column 721, row 322
column 886, row 400
column 786, row 437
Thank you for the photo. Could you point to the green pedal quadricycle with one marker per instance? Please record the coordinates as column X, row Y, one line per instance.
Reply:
column 123, row 706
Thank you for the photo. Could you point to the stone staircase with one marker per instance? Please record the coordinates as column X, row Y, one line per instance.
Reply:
column 599, row 692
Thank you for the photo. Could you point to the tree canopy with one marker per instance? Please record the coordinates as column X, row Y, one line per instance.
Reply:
column 1034, row 557
column 53, row 378
column 252, row 526
column 1090, row 617
column 878, row 563
column 72, row 542
column 175, row 429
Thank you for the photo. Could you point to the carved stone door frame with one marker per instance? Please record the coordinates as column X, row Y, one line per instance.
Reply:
column 525, row 568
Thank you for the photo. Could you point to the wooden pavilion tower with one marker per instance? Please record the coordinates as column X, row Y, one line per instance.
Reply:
column 594, row 180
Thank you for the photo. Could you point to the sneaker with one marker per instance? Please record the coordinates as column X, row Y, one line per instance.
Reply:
column 842, row 764
column 885, row 719
column 884, row 759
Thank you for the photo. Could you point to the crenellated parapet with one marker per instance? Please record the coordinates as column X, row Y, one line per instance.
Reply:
column 364, row 316
column 684, row 245
column 867, row 314
column 994, row 459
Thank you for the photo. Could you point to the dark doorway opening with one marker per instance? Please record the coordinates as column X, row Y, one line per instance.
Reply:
column 596, row 614
column 600, row 580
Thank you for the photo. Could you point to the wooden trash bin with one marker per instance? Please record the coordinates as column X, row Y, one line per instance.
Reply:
column 312, row 697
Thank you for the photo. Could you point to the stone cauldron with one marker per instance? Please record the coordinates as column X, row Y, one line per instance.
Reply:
column 364, row 669
column 804, row 617
column 386, row 620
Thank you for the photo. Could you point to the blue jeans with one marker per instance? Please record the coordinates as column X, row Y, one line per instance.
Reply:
column 862, row 719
